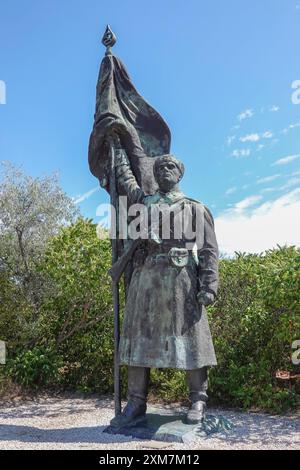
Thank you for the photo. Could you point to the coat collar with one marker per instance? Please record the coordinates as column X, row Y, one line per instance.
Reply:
column 171, row 197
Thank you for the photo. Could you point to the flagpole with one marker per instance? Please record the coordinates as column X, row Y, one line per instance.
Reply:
column 115, row 284
column 108, row 40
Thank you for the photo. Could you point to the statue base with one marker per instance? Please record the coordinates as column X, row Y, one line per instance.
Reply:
column 169, row 426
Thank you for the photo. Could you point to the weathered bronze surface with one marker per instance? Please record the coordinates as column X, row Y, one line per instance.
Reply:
column 168, row 283
column 164, row 323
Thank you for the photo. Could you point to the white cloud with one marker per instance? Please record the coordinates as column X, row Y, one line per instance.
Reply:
column 274, row 108
column 291, row 126
column 237, row 153
column 250, row 138
column 255, row 137
column 267, row 135
column 267, row 179
column 262, row 228
column 83, row 197
column 231, row 190
column 245, row 203
column 286, row 160
column 248, row 113
column 268, row 190
column 291, row 182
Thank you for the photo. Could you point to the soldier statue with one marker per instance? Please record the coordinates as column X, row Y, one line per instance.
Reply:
column 172, row 278
column 165, row 322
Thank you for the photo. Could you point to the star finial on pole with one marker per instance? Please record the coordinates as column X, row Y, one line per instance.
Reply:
column 108, row 40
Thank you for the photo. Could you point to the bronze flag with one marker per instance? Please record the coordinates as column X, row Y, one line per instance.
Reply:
column 142, row 131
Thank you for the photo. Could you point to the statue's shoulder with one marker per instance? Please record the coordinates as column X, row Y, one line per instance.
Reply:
column 196, row 202
column 206, row 210
column 193, row 201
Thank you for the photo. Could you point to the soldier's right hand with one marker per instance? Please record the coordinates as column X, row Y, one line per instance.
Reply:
column 121, row 158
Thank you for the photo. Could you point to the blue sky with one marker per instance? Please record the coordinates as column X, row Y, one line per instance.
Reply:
column 219, row 72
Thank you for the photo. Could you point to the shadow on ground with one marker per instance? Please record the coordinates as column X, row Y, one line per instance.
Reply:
column 87, row 434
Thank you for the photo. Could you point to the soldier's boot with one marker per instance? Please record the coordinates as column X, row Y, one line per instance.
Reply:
column 197, row 383
column 135, row 409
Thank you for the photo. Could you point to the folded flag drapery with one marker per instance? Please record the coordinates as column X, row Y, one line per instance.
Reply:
column 143, row 133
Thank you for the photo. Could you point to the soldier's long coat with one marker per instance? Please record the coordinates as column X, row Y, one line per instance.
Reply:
column 164, row 325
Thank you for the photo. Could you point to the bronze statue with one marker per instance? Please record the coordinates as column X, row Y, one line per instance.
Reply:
column 171, row 278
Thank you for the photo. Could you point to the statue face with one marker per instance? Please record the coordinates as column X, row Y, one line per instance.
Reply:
column 167, row 175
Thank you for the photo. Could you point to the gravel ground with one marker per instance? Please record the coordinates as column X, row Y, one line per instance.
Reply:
column 77, row 423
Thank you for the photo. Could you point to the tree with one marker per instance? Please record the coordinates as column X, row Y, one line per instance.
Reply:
column 31, row 211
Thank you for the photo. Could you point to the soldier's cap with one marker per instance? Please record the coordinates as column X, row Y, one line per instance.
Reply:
column 166, row 158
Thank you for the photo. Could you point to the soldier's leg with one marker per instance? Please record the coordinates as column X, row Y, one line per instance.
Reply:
column 197, row 383
column 138, row 381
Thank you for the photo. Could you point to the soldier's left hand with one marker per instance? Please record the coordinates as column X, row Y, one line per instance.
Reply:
column 205, row 298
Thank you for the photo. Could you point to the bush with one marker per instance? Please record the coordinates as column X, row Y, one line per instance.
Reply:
column 78, row 316
column 73, row 327
column 35, row 368
column 254, row 322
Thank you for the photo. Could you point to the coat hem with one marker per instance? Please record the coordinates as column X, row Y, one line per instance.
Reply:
column 168, row 366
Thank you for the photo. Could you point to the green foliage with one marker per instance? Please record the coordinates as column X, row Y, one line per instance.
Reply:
column 78, row 315
column 35, row 368
column 168, row 384
column 254, row 322
column 74, row 320
column 76, row 262
column 15, row 313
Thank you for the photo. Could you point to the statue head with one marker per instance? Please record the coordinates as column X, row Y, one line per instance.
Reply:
column 168, row 171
